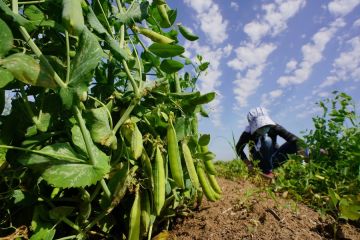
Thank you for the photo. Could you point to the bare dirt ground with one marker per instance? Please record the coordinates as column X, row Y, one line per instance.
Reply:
column 248, row 212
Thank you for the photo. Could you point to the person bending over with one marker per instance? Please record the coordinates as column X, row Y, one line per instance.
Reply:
column 262, row 132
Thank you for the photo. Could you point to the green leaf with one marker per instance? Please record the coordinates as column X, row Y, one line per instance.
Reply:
column 166, row 50
column 171, row 66
column 119, row 53
column 34, row 13
column 5, row 76
column 16, row 17
column 97, row 120
column 44, row 233
column 203, row 99
column 204, row 140
column 28, row 70
column 204, row 66
column 136, row 12
column 94, row 22
column 86, row 59
column 6, row 39
column 349, row 209
column 63, row 167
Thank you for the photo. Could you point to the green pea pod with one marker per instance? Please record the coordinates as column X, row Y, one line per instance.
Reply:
column 159, row 182
column 214, row 184
column 136, row 142
column 187, row 34
column 156, row 37
column 208, row 191
column 28, row 70
column 163, row 13
column 146, row 165
column 190, row 165
column 72, row 16
column 174, row 155
column 135, row 216
column 145, row 211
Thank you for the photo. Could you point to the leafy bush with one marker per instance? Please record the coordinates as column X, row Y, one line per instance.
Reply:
column 330, row 178
column 97, row 120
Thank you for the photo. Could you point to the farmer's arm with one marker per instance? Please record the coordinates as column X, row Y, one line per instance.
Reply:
column 286, row 135
column 243, row 140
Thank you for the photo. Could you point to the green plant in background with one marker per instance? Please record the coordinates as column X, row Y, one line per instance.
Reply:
column 97, row 119
column 330, row 178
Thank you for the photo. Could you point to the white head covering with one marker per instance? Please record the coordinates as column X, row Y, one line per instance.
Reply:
column 257, row 118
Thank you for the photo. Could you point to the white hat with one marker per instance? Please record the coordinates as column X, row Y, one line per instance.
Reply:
column 258, row 117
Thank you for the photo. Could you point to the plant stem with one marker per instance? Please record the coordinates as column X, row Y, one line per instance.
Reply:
column 27, row 106
column 68, row 237
column 126, row 114
column 88, row 145
column 32, row 2
column 132, row 80
column 67, row 57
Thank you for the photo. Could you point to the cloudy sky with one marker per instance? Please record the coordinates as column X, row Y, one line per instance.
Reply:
column 284, row 55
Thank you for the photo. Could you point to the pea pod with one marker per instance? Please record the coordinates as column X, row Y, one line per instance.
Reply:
column 210, row 167
column 187, row 34
column 145, row 211
column 159, row 182
column 72, row 16
column 136, row 142
column 156, row 37
column 27, row 70
column 135, row 214
column 163, row 13
column 208, row 191
column 214, row 184
column 146, row 165
column 190, row 165
column 174, row 155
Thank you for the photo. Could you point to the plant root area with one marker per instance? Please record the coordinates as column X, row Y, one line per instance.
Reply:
column 246, row 211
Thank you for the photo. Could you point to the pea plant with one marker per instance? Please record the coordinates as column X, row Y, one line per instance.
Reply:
column 329, row 179
column 102, row 137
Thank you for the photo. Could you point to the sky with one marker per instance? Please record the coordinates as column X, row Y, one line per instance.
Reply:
column 284, row 55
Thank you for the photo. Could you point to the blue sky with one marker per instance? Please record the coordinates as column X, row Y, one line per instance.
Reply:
column 284, row 55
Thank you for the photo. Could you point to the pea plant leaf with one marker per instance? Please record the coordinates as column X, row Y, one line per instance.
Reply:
column 136, row 12
column 62, row 166
column 5, row 77
column 171, row 66
column 6, row 38
column 166, row 50
column 97, row 120
column 4, row 9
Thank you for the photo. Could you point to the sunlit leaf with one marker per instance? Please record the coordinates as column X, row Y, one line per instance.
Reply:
column 6, row 38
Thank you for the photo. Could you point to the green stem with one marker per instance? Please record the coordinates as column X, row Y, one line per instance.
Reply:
column 95, row 193
column 71, row 224
column 67, row 57
column 105, row 17
column 27, row 106
column 68, row 237
column 132, row 80
column 89, row 144
column 177, row 83
column 32, row 2
column 126, row 114
column 138, row 61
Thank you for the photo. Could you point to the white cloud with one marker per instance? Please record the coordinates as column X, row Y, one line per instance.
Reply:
column 312, row 53
column 268, row 98
column 234, row 5
column 346, row 66
column 246, row 86
column 274, row 21
column 357, row 23
column 249, row 55
column 211, row 21
column 291, row 65
column 342, row 7
column 210, row 82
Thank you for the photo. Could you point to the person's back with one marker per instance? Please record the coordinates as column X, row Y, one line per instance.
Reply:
column 262, row 131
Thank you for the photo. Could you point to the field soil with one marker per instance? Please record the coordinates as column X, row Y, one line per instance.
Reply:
column 247, row 211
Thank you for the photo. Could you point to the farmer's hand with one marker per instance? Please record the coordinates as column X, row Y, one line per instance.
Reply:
column 249, row 165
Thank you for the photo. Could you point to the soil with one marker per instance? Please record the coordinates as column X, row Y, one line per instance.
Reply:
column 247, row 211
